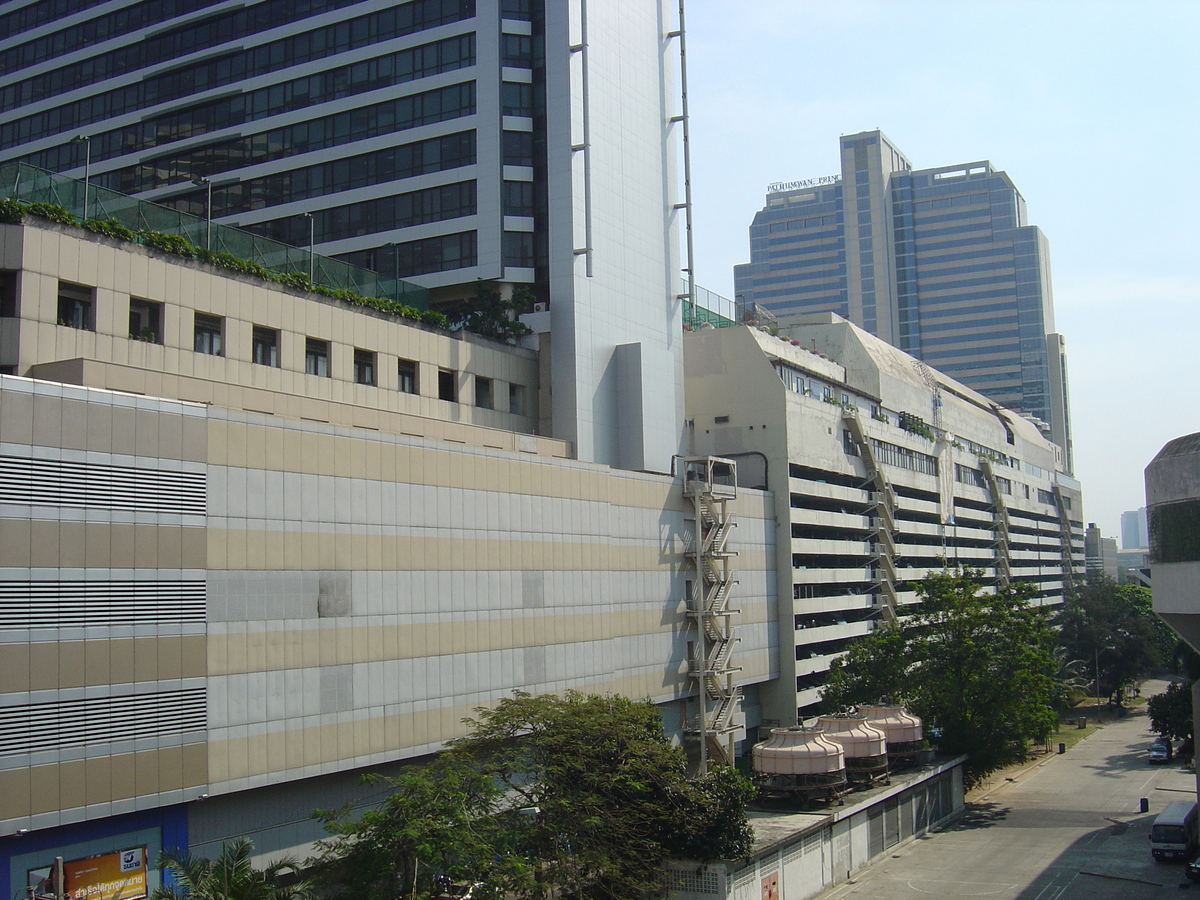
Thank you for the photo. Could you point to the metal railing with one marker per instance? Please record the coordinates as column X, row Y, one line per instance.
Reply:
column 21, row 181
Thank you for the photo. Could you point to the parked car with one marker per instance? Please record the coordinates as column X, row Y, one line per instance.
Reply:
column 1193, row 869
column 1161, row 751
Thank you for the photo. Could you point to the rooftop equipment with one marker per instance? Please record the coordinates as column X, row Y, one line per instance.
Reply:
column 800, row 764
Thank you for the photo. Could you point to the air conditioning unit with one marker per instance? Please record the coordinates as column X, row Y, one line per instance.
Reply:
column 541, row 307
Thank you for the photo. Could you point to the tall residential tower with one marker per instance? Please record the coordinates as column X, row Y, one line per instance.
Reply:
column 446, row 142
column 940, row 263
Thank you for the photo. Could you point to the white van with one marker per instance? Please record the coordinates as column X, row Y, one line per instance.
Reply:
column 1173, row 835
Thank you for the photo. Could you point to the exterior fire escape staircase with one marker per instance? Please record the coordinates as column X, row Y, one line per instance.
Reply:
column 883, row 521
column 999, row 525
column 711, row 483
column 1064, row 535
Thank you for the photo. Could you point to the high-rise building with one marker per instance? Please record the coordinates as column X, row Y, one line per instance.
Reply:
column 1134, row 533
column 443, row 141
column 940, row 262
column 1100, row 553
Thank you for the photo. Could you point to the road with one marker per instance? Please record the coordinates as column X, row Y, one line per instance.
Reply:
column 1067, row 829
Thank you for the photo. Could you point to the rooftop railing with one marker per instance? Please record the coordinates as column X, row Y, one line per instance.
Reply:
column 88, row 201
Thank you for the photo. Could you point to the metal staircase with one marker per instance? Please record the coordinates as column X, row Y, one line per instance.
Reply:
column 1064, row 534
column 1003, row 557
column 711, row 483
column 883, row 521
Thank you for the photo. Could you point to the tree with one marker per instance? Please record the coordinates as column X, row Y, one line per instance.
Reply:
column 1113, row 628
column 1171, row 711
column 231, row 876
column 488, row 315
column 437, row 822
column 601, row 798
column 979, row 667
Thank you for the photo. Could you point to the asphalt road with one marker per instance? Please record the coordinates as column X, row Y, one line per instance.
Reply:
column 1066, row 829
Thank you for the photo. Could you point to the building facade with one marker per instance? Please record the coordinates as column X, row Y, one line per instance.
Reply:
column 881, row 470
column 941, row 263
column 284, row 539
column 449, row 142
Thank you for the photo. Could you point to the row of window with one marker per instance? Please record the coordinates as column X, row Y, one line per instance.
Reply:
column 421, row 257
column 229, row 26
column 215, row 72
column 435, row 204
column 388, row 117
column 76, row 307
column 345, row 81
column 449, row 151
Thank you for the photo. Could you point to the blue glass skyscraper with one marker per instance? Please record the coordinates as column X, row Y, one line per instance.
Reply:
column 939, row 262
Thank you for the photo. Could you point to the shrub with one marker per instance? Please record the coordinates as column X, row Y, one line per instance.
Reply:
column 110, row 228
column 53, row 212
column 11, row 211
column 175, row 244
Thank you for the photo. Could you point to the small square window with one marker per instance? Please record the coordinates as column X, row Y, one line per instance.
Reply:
column 407, row 370
column 516, row 399
column 264, row 346
column 145, row 320
column 483, row 393
column 364, row 366
column 447, row 385
column 8, row 295
column 75, row 306
column 208, row 331
column 316, row 357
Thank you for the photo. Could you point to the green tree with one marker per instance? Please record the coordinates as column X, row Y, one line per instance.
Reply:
column 977, row 666
column 601, row 798
column 1113, row 628
column 230, row 876
column 437, row 822
column 488, row 315
column 1171, row 711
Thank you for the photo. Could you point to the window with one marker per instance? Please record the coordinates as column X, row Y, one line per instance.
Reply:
column 264, row 346
column 8, row 295
column 516, row 399
column 407, row 371
column 364, row 366
column 517, row 148
column 516, row 99
column 145, row 320
column 518, row 249
column 483, row 393
column 518, row 198
column 316, row 357
column 447, row 387
column 517, row 9
column 208, row 330
column 75, row 306
column 517, row 51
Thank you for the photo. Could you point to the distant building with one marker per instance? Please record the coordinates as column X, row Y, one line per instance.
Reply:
column 940, row 262
column 1133, row 567
column 1100, row 553
column 1134, row 533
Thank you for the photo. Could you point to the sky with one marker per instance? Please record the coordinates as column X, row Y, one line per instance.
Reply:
column 1092, row 108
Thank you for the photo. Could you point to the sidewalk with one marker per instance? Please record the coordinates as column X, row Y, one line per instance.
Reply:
column 1039, row 758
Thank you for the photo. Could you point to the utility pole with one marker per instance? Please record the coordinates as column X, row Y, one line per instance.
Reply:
column 87, row 166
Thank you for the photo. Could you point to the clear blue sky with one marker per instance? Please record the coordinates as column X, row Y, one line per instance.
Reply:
column 1093, row 109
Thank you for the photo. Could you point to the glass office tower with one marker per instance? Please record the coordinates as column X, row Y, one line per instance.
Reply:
column 938, row 262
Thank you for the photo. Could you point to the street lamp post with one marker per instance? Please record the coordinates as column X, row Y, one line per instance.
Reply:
column 206, row 183
column 312, row 230
column 87, row 166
